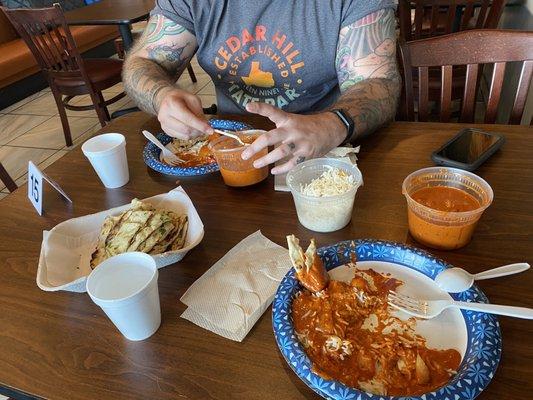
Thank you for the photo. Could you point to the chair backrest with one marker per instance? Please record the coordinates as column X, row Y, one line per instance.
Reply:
column 441, row 17
column 471, row 48
column 48, row 36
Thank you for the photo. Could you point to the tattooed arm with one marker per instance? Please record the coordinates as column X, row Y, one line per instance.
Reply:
column 151, row 70
column 367, row 71
column 370, row 86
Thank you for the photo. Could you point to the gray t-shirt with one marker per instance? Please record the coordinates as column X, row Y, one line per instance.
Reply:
column 281, row 52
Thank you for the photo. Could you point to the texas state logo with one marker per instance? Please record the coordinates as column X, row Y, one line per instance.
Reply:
column 260, row 66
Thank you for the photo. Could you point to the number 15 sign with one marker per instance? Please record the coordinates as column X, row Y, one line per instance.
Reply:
column 35, row 187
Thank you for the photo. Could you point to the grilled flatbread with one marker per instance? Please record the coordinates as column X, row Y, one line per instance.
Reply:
column 141, row 228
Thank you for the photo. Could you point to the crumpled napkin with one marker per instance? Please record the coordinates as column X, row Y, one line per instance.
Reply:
column 348, row 154
column 233, row 294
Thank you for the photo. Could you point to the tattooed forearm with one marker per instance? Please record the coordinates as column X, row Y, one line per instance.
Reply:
column 367, row 71
column 154, row 64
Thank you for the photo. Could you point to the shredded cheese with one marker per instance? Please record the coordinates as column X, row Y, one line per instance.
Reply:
column 332, row 182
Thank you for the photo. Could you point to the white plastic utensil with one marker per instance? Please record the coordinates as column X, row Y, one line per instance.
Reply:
column 428, row 309
column 455, row 280
column 168, row 156
column 231, row 135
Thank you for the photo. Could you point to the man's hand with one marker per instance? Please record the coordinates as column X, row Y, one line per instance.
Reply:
column 298, row 137
column 181, row 115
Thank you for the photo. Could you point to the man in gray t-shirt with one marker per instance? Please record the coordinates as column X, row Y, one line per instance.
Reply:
column 324, row 71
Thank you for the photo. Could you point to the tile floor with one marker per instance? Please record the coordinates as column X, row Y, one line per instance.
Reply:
column 31, row 129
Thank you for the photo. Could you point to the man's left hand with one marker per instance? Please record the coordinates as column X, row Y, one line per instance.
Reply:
column 299, row 137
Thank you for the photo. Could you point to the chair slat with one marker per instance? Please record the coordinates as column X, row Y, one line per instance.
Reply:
column 434, row 19
column 482, row 15
column 446, row 93
column 451, row 17
column 469, row 96
column 468, row 12
column 495, row 92
column 419, row 17
column 522, row 91
column 423, row 93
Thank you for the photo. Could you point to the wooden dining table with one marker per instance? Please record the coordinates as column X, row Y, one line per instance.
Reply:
column 121, row 13
column 60, row 345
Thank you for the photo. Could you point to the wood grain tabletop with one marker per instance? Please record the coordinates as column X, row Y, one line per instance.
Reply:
column 61, row 346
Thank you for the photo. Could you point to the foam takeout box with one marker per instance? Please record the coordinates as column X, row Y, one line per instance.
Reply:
column 64, row 262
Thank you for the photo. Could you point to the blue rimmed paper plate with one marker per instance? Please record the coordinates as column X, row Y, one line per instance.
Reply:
column 475, row 335
column 152, row 155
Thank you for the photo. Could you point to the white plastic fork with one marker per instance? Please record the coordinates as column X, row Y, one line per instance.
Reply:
column 168, row 156
column 428, row 309
column 231, row 135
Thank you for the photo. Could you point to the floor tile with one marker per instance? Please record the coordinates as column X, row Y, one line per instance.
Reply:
column 21, row 102
column 118, row 88
column 49, row 135
column 15, row 160
column 85, row 136
column 185, row 82
column 2, row 195
column 52, row 159
column 12, row 126
column 86, row 100
column 208, row 89
column 42, row 105
column 207, row 100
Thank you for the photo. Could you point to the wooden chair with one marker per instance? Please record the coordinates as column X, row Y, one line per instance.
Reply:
column 47, row 34
column 471, row 49
column 8, row 181
column 441, row 17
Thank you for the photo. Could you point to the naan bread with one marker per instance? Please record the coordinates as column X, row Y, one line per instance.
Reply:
column 141, row 228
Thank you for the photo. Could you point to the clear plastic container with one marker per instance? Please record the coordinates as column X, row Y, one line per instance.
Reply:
column 236, row 171
column 443, row 229
column 322, row 214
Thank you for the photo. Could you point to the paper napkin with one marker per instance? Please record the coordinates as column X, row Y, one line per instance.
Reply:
column 231, row 296
column 348, row 154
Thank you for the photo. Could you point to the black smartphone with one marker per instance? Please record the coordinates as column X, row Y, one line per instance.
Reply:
column 468, row 149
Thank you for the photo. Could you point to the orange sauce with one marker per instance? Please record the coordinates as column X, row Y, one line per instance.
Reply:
column 235, row 171
column 243, row 178
column 443, row 199
column 368, row 354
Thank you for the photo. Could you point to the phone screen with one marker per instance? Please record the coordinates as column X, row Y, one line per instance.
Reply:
column 469, row 146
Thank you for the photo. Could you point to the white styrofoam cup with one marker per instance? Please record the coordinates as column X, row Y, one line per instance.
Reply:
column 107, row 154
column 125, row 287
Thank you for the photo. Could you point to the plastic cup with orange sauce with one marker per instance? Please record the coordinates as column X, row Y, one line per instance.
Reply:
column 445, row 230
column 234, row 170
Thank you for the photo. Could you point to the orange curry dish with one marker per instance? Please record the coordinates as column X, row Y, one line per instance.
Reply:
column 193, row 152
column 349, row 334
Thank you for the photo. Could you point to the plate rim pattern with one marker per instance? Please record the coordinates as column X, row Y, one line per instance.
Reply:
column 151, row 154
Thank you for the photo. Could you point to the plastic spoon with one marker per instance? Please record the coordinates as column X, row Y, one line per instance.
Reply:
column 455, row 280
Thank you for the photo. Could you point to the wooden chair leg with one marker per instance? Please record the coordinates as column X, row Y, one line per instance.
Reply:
column 104, row 107
column 99, row 106
column 62, row 116
column 8, row 181
column 191, row 73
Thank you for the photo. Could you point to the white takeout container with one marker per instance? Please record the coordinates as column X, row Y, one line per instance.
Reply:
column 125, row 288
column 64, row 263
column 323, row 214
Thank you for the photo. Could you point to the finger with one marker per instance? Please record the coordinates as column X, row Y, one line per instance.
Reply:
column 279, row 153
column 269, row 138
column 182, row 112
column 176, row 128
column 274, row 114
column 286, row 167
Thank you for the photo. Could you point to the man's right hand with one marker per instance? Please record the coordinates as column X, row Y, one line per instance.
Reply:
column 181, row 115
